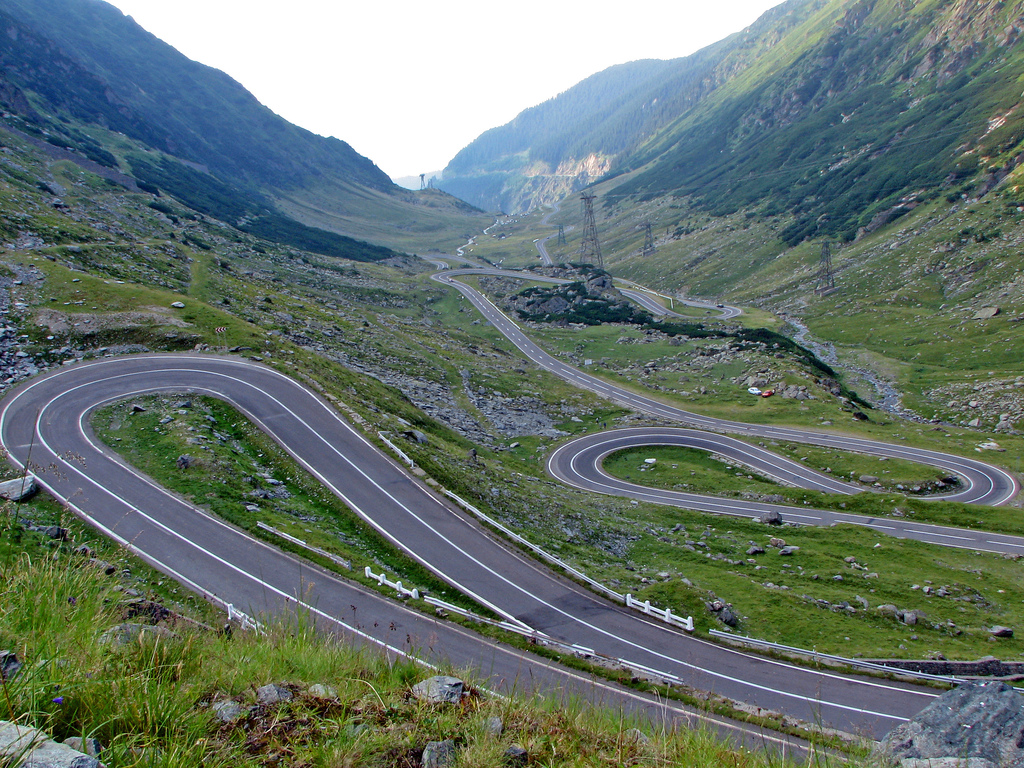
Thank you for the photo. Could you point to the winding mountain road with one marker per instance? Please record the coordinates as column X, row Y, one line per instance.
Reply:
column 50, row 417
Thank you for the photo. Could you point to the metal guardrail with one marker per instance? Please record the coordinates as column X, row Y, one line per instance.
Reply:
column 300, row 543
column 533, row 547
column 401, row 454
column 518, row 627
column 838, row 659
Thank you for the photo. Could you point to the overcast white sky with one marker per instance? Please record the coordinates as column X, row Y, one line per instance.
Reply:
column 409, row 83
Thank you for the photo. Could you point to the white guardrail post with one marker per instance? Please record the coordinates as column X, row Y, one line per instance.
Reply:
column 244, row 620
column 665, row 614
column 382, row 579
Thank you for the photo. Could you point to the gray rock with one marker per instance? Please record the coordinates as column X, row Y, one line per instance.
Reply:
column 789, row 550
column 19, row 488
column 415, row 436
column 755, row 550
column 985, row 313
column 9, row 665
column 178, row 304
column 103, row 565
column 272, row 693
column 323, row 691
column 771, row 517
column 438, row 754
column 441, row 689
column 868, row 479
column 31, row 748
column 977, row 720
column 88, row 745
column 636, row 736
column 56, row 532
column 227, row 710
column 493, row 726
column 728, row 617
column 946, row 762
column 128, row 633
column 999, row 631
column 516, row 756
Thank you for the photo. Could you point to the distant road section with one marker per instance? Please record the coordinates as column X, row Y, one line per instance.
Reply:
column 655, row 307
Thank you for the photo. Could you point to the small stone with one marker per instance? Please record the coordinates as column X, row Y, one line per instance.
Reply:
column 178, row 304
column 9, row 665
column 728, row 617
column 440, row 689
column 755, row 550
column 107, row 568
column 438, row 754
column 56, row 532
column 227, row 710
column 789, row 550
column 516, row 756
column 273, row 694
column 771, row 517
column 493, row 726
column 868, row 479
column 1000, row 631
column 19, row 488
column 636, row 736
column 323, row 691
column 128, row 633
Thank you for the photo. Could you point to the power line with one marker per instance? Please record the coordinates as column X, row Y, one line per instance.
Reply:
column 649, row 248
column 826, row 279
column 590, row 248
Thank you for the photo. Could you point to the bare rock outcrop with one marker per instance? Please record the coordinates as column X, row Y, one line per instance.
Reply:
column 977, row 722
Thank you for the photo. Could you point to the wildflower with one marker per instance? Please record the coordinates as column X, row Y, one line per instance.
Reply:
column 58, row 700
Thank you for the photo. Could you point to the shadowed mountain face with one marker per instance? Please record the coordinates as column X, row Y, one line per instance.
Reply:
column 836, row 114
column 153, row 93
column 82, row 75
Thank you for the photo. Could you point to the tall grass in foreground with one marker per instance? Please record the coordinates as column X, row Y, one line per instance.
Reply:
column 148, row 701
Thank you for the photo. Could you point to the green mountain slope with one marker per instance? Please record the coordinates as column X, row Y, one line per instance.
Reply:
column 832, row 112
column 82, row 62
column 568, row 141
column 865, row 106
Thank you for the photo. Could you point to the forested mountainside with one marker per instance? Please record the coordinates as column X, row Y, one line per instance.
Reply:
column 832, row 112
column 70, row 67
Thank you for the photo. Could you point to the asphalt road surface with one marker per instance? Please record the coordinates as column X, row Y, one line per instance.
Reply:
column 50, row 414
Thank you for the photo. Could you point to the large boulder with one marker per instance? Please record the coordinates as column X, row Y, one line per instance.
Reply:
column 31, row 748
column 975, row 722
column 19, row 488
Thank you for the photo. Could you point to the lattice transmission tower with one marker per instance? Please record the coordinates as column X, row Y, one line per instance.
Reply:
column 590, row 248
column 649, row 248
column 826, row 279
column 561, row 234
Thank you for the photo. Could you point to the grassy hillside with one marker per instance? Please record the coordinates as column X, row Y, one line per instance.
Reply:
column 153, row 700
